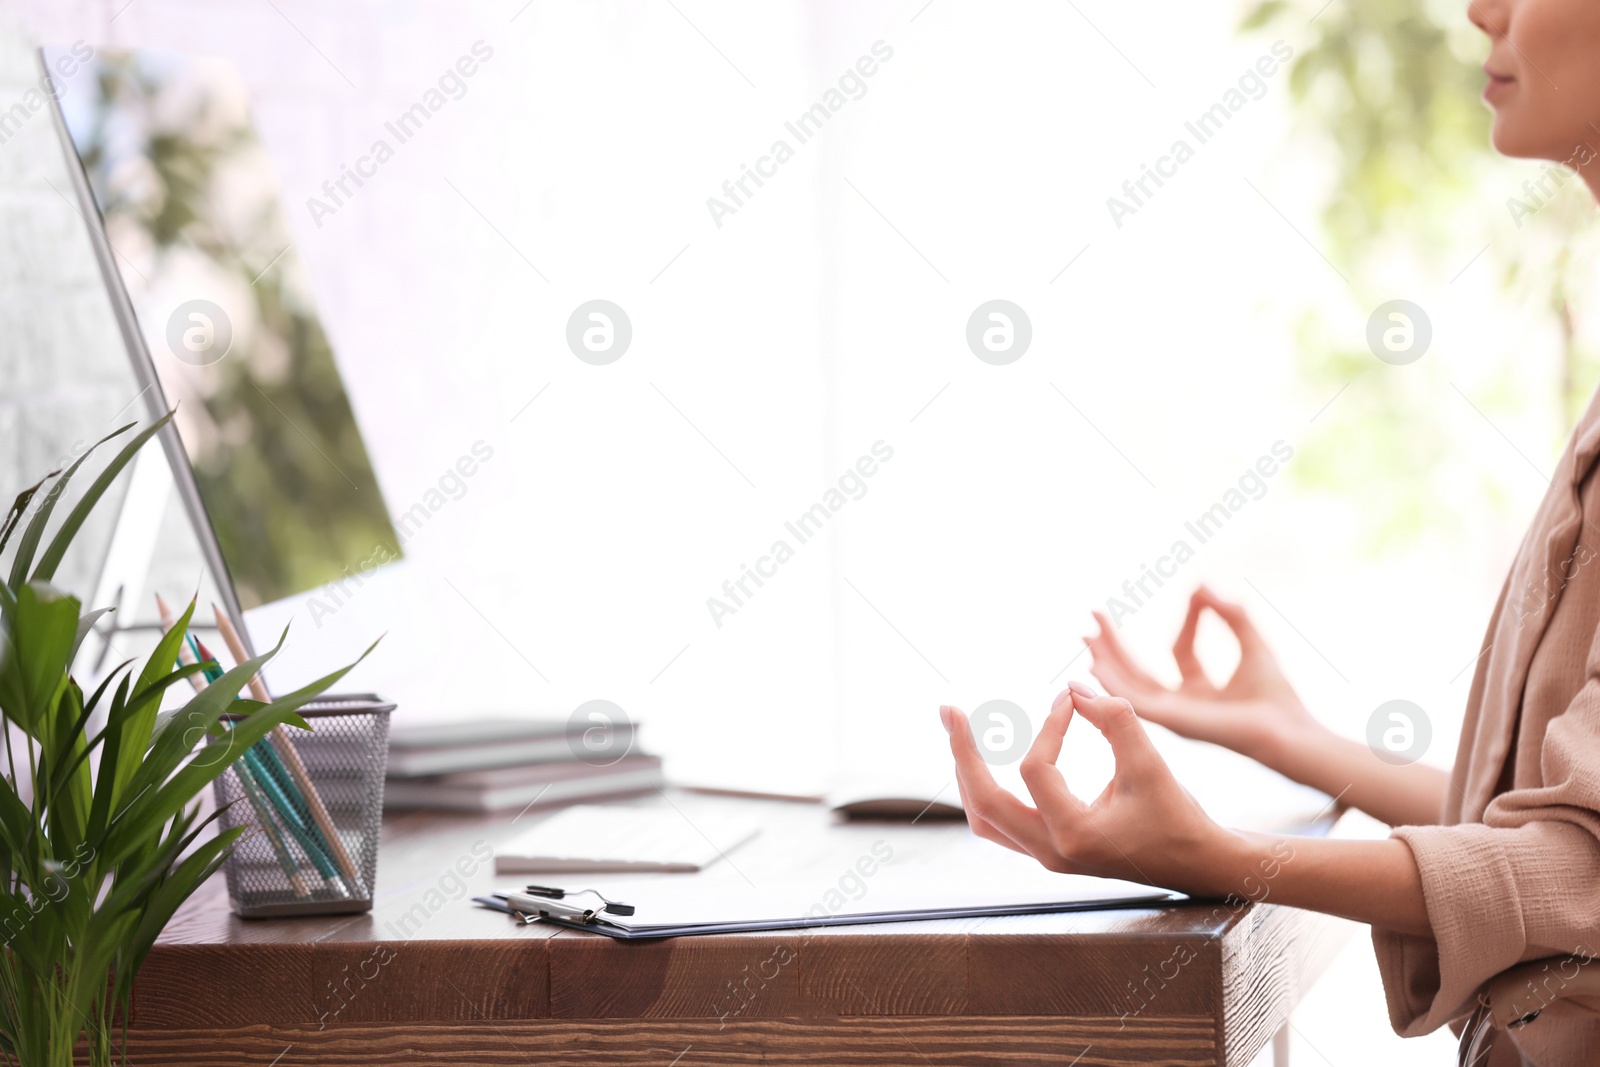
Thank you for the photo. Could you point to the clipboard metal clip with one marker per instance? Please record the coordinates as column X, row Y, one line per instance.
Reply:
column 542, row 901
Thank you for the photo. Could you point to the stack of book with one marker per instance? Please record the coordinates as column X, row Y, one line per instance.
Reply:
column 500, row 764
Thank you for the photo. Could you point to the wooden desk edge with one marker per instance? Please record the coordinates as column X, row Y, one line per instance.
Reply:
column 1240, row 981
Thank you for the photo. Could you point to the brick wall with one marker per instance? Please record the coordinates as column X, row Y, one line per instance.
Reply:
column 63, row 370
column 65, row 379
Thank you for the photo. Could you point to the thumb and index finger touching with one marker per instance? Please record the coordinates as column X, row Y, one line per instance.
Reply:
column 1230, row 612
column 1113, row 717
column 1117, row 722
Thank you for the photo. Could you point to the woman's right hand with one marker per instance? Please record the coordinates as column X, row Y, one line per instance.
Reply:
column 1256, row 712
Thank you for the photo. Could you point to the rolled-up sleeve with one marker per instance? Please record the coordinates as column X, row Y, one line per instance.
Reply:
column 1522, row 884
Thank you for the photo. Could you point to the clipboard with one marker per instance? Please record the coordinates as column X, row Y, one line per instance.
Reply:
column 586, row 909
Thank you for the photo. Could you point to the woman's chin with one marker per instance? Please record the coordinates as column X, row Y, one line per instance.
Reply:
column 1513, row 138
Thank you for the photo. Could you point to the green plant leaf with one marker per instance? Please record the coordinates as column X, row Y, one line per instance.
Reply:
column 111, row 676
column 110, row 762
column 135, row 879
column 127, row 708
column 145, row 704
column 167, row 648
column 75, row 518
column 63, row 776
column 176, row 735
column 152, row 796
column 164, row 802
column 245, row 706
column 173, row 890
column 85, row 624
column 107, row 850
column 32, row 533
column 17, row 827
column 38, row 652
column 19, row 507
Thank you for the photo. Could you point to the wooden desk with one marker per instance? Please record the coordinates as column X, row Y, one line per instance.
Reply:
column 457, row 984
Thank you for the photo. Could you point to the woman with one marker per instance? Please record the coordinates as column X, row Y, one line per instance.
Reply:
column 1493, row 864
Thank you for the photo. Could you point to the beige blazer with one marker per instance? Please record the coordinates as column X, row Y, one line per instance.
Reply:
column 1513, row 871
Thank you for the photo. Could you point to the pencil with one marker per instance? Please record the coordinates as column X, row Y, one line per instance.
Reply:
column 285, row 746
column 252, row 792
column 279, row 785
column 205, row 655
column 261, row 751
column 275, row 793
column 297, row 880
column 185, row 656
column 274, row 782
column 268, row 769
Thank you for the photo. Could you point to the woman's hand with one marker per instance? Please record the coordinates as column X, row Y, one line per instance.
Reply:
column 1256, row 712
column 1143, row 827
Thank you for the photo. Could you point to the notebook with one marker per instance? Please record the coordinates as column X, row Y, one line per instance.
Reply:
column 540, row 784
column 592, row 838
column 443, row 748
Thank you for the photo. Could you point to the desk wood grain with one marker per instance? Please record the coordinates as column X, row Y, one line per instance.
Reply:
column 1206, row 983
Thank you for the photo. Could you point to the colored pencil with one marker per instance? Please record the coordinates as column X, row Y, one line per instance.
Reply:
column 285, row 746
column 252, row 792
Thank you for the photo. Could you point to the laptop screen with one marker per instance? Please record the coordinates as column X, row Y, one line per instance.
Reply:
column 191, row 213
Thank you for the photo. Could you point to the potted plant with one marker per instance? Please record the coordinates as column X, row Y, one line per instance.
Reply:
column 100, row 833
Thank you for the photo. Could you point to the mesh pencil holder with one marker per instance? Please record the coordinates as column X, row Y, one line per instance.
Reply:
column 311, row 805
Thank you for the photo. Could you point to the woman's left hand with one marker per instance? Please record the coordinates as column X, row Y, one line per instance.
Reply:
column 1144, row 827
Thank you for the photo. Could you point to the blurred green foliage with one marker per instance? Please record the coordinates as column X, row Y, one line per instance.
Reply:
column 1386, row 94
column 280, row 463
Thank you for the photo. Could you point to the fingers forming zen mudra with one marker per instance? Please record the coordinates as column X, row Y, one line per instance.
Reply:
column 1253, row 711
column 992, row 812
column 1143, row 827
column 1141, row 808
